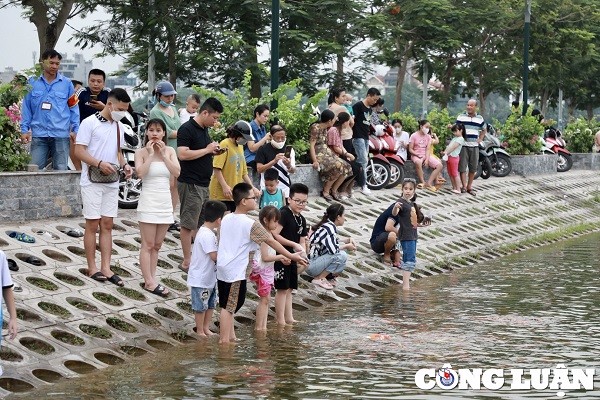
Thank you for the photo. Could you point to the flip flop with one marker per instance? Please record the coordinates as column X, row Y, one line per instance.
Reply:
column 421, row 186
column 12, row 265
column 23, row 237
column 471, row 192
column 159, row 290
column 396, row 265
column 181, row 267
column 116, row 279
column 33, row 260
column 432, row 188
column 99, row 276
column 76, row 233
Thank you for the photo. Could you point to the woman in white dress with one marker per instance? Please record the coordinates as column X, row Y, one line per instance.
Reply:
column 155, row 164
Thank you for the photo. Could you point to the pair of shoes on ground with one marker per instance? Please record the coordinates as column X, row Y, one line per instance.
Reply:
column 21, row 236
column 115, row 279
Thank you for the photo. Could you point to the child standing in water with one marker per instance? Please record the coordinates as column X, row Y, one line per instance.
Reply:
column 263, row 272
column 410, row 216
column 452, row 153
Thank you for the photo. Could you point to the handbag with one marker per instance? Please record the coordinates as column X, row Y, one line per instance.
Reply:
column 96, row 175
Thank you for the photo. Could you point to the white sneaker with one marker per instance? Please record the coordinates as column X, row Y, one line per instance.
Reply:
column 366, row 191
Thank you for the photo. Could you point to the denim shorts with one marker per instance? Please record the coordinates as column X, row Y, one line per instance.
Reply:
column 203, row 299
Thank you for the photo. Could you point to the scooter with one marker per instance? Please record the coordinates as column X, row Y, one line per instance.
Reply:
column 130, row 189
column 378, row 167
column 499, row 158
column 484, row 167
column 383, row 135
column 555, row 144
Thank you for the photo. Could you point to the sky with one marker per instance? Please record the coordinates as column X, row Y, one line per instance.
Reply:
column 20, row 41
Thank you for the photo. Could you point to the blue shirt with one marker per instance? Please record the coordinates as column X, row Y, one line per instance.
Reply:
column 275, row 199
column 258, row 132
column 57, row 121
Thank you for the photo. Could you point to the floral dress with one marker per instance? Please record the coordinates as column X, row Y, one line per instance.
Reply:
column 331, row 165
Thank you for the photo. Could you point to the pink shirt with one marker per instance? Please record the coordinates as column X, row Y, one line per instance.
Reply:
column 334, row 139
column 421, row 142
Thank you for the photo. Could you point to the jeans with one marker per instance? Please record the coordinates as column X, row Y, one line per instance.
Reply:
column 43, row 148
column 409, row 255
column 334, row 263
column 361, row 146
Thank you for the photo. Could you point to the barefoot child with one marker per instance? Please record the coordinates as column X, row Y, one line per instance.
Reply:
column 410, row 216
column 452, row 152
column 202, row 275
column 9, row 299
column 241, row 236
column 262, row 270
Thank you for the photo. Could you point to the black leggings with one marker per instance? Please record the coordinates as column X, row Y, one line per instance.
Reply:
column 356, row 167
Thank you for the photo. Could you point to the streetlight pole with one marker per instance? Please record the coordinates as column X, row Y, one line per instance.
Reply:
column 526, row 35
column 274, row 49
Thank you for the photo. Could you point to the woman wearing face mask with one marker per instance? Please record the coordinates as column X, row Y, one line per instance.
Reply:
column 165, row 110
column 275, row 155
column 229, row 167
column 420, row 142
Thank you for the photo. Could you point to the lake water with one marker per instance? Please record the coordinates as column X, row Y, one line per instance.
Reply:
column 531, row 310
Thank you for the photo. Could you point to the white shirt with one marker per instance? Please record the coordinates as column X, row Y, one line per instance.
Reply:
column 203, row 270
column 184, row 115
column 5, row 277
column 100, row 137
column 240, row 236
column 402, row 151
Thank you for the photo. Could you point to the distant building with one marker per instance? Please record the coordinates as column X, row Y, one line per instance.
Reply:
column 8, row 74
column 76, row 68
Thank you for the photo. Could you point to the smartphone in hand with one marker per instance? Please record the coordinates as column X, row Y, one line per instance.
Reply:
column 288, row 151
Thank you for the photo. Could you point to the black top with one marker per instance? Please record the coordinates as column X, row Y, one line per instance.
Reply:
column 294, row 226
column 406, row 231
column 267, row 153
column 379, row 226
column 362, row 121
column 197, row 171
column 84, row 98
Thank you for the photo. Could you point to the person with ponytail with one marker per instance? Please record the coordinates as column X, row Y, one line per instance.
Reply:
column 326, row 255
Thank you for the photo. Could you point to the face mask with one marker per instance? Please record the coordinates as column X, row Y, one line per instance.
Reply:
column 165, row 104
column 426, row 130
column 398, row 130
column 117, row 115
column 241, row 141
column 277, row 145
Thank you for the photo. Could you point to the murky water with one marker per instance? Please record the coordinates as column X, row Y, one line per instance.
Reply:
column 532, row 310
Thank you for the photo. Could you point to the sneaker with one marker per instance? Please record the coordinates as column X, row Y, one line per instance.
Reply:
column 366, row 191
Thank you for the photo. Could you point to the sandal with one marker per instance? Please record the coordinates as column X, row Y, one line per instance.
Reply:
column 471, row 192
column 116, row 279
column 323, row 283
column 23, row 237
column 327, row 196
column 98, row 276
column 12, row 265
column 33, row 260
column 396, row 265
column 76, row 233
column 432, row 188
column 159, row 290
column 421, row 186
column 463, row 190
column 184, row 269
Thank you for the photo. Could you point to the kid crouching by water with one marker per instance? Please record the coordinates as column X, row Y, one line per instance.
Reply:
column 263, row 272
column 410, row 217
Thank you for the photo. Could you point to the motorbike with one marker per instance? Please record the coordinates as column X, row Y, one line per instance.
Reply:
column 385, row 168
column 499, row 158
column 553, row 143
column 484, row 167
column 130, row 189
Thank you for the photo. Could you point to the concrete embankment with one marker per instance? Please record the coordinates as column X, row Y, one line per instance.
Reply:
column 70, row 325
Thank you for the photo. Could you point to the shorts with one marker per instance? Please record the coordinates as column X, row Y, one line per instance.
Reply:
column 378, row 243
column 263, row 286
column 191, row 199
column 100, row 200
column 286, row 276
column 469, row 157
column 409, row 255
column 452, row 166
column 204, row 299
column 231, row 295
column 433, row 162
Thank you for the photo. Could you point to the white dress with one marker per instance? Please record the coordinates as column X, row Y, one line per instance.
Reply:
column 154, row 204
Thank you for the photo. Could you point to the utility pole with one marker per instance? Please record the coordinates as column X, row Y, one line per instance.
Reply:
column 151, row 62
column 526, row 35
column 425, row 84
column 274, row 49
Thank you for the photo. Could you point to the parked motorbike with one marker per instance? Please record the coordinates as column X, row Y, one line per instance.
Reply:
column 130, row 189
column 484, row 167
column 499, row 158
column 385, row 168
column 555, row 144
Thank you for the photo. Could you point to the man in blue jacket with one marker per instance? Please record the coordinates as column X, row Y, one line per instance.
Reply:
column 50, row 114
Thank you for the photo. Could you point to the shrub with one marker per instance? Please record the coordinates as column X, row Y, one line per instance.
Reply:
column 579, row 135
column 439, row 121
column 293, row 111
column 13, row 154
column 522, row 133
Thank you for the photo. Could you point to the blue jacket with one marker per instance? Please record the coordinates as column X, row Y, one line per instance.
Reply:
column 60, row 119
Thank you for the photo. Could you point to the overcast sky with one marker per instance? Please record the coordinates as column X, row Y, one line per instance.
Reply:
column 19, row 41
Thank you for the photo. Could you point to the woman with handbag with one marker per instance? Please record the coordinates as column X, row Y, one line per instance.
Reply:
column 156, row 164
column 98, row 147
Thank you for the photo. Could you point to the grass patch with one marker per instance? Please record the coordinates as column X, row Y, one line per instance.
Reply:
column 174, row 284
column 81, row 304
column 145, row 319
column 170, row 314
column 42, row 283
column 182, row 336
column 131, row 293
column 121, row 325
column 185, row 306
column 25, row 315
column 37, row 345
column 133, row 351
column 127, row 246
column 67, row 337
column 7, row 354
column 175, row 257
column 54, row 309
column 108, row 299
column 95, row 331
column 70, row 279
column 164, row 264
column 119, row 270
